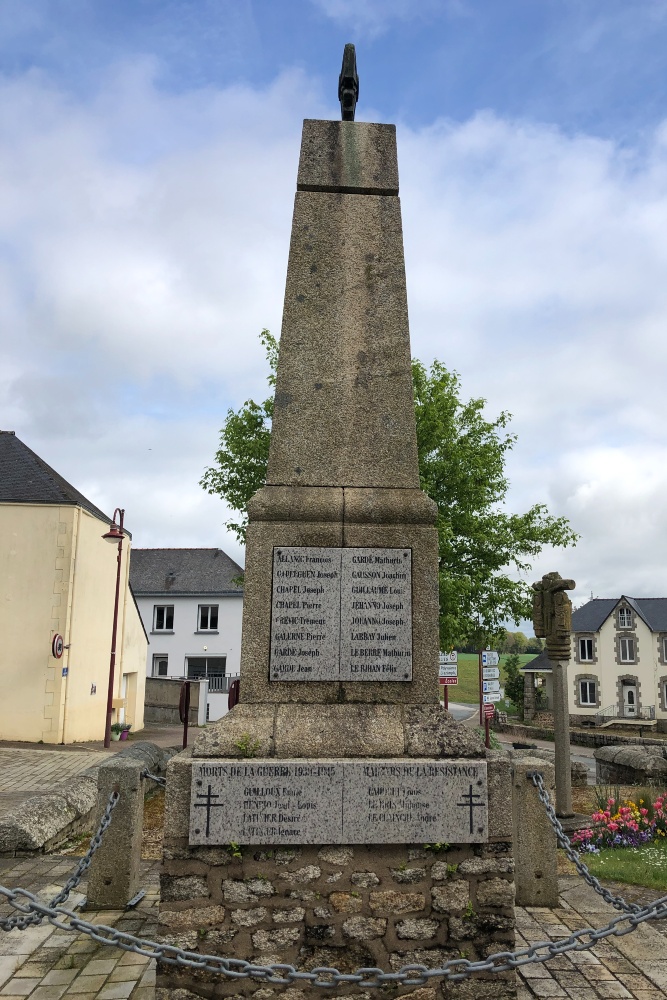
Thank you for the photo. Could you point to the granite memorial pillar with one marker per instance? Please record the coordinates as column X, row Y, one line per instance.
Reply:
column 337, row 815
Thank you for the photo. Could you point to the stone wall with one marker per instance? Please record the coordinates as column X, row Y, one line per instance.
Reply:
column 631, row 765
column 578, row 737
column 162, row 700
column 345, row 907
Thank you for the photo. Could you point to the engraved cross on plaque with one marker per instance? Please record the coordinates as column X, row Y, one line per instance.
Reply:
column 209, row 804
column 469, row 803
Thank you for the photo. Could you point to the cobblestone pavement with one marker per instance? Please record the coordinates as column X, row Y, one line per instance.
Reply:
column 43, row 963
column 26, row 769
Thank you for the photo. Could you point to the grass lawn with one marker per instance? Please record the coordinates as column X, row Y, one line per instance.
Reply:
column 466, row 691
column 645, row 865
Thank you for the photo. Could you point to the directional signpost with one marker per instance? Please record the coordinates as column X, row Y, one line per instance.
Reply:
column 489, row 686
column 448, row 672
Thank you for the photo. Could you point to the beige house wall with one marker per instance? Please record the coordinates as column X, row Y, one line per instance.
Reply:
column 607, row 669
column 57, row 575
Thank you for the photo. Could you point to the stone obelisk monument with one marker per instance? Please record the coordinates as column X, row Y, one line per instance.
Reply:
column 338, row 816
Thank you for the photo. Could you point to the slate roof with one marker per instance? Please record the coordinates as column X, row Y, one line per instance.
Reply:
column 26, row 478
column 593, row 615
column 540, row 665
column 184, row 571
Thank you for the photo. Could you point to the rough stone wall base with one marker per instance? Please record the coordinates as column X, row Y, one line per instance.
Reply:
column 347, row 907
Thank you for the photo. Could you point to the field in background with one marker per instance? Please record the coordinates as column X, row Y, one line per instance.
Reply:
column 466, row 692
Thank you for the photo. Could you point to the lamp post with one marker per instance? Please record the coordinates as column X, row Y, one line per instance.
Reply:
column 114, row 534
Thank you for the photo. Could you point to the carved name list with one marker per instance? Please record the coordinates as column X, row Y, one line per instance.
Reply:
column 341, row 614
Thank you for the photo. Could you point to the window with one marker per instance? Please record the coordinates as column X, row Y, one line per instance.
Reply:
column 586, row 650
column 208, row 618
column 627, row 650
column 160, row 665
column 588, row 693
column 624, row 618
column 211, row 667
column 664, row 649
column 163, row 618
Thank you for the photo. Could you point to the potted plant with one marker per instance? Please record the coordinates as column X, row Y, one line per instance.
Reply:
column 125, row 730
column 116, row 730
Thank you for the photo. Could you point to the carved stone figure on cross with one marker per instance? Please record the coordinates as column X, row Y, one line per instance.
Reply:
column 552, row 614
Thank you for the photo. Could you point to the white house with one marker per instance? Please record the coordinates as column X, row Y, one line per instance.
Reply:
column 191, row 603
column 617, row 672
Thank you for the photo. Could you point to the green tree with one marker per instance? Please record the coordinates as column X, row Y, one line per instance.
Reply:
column 462, row 458
column 514, row 682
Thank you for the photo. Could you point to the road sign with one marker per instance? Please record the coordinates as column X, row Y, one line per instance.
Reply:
column 448, row 670
column 489, row 711
column 448, row 680
column 490, row 658
column 490, row 686
column 490, row 673
column 452, row 657
column 493, row 696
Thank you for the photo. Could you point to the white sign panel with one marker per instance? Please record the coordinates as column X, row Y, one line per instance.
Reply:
column 494, row 696
column 490, row 673
column 445, row 670
column 490, row 686
column 490, row 658
column 452, row 657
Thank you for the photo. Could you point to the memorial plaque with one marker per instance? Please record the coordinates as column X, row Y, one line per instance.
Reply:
column 339, row 802
column 305, row 614
column 341, row 614
column 266, row 802
column 415, row 802
column 376, row 615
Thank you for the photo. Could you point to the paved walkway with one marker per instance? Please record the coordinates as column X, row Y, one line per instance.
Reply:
column 43, row 963
column 26, row 769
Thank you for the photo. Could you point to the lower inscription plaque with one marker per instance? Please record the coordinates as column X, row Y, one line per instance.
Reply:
column 339, row 802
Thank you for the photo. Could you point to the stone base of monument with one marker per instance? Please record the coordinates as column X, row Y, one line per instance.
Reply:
column 351, row 901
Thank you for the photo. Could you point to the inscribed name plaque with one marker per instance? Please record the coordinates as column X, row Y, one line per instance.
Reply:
column 266, row 802
column 415, row 801
column 341, row 614
column 403, row 801
column 376, row 615
column 305, row 614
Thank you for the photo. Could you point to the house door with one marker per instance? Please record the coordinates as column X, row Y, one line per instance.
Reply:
column 629, row 700
column 123, row 694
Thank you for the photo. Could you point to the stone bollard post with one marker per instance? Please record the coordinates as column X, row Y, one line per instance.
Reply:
column 534, row 838
column 113, row 877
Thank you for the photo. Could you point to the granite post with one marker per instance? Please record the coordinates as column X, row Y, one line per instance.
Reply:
column 536, row 875
column 113, row 878
column 338, row 815
column 552, row 620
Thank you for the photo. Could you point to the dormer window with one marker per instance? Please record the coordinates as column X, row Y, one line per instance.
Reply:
column 624, row 618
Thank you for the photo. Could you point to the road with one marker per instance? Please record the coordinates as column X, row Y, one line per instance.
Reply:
column 470, row 715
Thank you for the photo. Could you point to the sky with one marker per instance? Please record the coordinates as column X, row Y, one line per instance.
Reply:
column 148, row 154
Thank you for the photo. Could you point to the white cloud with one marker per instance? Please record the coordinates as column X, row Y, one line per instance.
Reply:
column 374, row 17
column 143, row 245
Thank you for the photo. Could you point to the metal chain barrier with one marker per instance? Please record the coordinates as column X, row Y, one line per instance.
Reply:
column 280, row 974
column 284, row 975
column 162, row 782
column 20, row 923
column 563, row 841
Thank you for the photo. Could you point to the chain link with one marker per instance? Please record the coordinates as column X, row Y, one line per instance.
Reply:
column 279, row 974
column 455, row 970
column 159, row 781
column 563, row 841
column 20, row 923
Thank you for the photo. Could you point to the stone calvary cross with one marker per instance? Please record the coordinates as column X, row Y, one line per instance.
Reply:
column 339, row 763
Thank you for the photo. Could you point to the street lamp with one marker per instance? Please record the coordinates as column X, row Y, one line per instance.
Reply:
column 114, row 534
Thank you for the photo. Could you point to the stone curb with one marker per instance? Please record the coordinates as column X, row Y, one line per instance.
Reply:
column 47, row 819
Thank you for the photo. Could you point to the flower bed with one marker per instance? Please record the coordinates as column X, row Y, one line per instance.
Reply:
column 624, row 824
